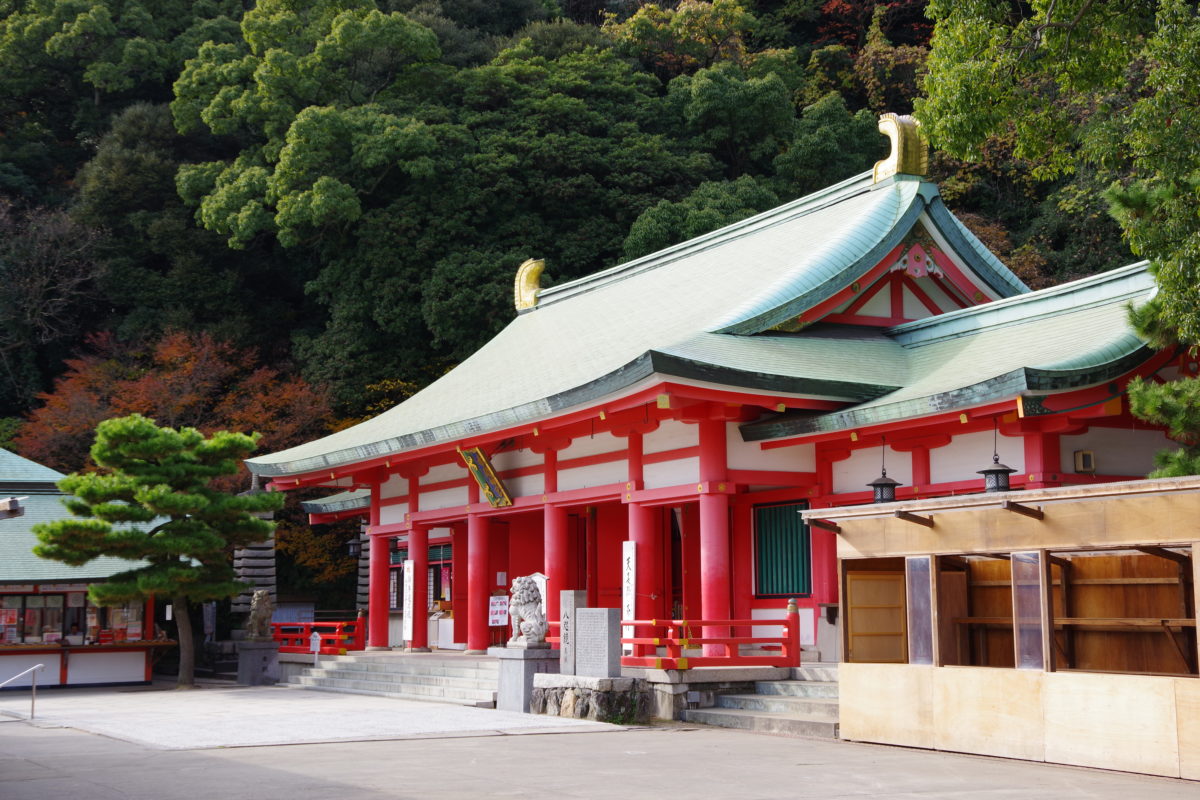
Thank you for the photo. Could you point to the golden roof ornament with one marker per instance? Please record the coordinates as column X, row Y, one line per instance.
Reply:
column 528, row 283
column 910, row 152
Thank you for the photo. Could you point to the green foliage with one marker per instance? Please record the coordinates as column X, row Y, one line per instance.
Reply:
column 829, row 144
column 742, row 120
column 65, row 67
column 692, row 35
column 161, row 477
column 160, row 271
column 713, row 205
column 1176, row 406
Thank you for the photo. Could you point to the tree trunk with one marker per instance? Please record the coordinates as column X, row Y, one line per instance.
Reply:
column 187, row 644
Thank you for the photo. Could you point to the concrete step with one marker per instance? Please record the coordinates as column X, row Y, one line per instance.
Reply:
column 807, row 707
column 488, row 682
column 392, row 668
column 469, row 696
column 399, row 696
column 816, row 672
column 798, row 688
column 420, row 662
column 763, row 722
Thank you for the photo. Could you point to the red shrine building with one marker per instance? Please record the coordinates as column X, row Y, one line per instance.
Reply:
column 696, row 400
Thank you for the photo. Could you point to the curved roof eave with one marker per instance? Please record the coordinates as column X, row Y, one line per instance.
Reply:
column 981, row 260
column 891, row 235
column 353, row 500
column 1105, row 365
column 650, row 363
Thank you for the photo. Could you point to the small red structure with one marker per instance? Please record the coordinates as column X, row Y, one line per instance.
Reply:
column 337, row 638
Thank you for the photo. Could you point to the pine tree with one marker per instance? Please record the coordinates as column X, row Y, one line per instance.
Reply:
column 152, row 503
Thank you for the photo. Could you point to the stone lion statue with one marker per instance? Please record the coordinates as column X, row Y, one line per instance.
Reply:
column 258, row 624
column 525, row 612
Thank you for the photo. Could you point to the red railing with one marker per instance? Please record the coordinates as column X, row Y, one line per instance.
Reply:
column 336, row 637
column 680, row 635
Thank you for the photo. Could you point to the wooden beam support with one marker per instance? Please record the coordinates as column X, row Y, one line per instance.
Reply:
column 1028, row 511
column 825, row 525
column 908, row 516
column 1162, row 552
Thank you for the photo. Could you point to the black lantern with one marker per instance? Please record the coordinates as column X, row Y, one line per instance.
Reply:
column 883, row 486
column 354, row 547
column 995, row 477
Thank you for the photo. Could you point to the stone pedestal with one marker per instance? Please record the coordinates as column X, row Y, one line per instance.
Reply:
column 518, row 665
column 258, row 663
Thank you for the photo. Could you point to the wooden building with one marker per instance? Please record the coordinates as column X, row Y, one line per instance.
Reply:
column 691, row 402
column 45, row 615
column 1051, row 624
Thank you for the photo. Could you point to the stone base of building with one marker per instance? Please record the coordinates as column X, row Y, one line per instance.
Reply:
column 624, row 701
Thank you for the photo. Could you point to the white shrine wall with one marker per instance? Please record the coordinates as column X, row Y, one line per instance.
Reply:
column 671, row 435
column 968, row 453
column 749, row 455
column 1118, row 451
column 854, row 473
column 392, row 514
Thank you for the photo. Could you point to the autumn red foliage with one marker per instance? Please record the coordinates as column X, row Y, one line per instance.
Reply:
column 847, row 21
column 182, row 379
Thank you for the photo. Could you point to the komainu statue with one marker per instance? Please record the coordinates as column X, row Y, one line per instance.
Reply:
column 258, row 624
column 525, row 612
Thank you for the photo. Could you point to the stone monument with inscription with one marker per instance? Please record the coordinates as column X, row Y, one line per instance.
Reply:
column 598, row 642
column 571, row 601
column 596, row 690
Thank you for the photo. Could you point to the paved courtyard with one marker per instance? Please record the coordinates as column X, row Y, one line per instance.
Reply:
column 258, row 744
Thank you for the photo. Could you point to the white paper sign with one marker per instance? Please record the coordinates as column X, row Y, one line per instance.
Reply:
column 409, row 605
column 628, row 588
column 497, row 611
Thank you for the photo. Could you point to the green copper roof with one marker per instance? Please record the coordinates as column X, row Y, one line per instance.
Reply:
column 353, row 500
column 1064, row 337
column 673, row 313
column 16, row 470
column 21, row 477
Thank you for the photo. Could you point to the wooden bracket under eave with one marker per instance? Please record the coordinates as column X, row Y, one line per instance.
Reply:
column 825, row 525
column 1018, row 508
column 917, row 519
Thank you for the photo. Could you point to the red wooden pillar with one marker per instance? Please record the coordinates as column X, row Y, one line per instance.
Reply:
column 1042, row 460
column 593, row 563
column 643, row 532
column 377, row 582
column 714, row 531
column 458, row 581
column 555, row 549
column 418, row 551
column 478, row 567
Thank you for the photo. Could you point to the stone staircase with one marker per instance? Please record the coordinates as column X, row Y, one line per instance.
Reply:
column 461, row 680
column 806, row 705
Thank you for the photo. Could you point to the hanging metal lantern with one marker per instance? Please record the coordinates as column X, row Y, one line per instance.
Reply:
column 884, row 488
column 995, row 477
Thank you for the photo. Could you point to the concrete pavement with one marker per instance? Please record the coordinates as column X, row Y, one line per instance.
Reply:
column 434, row 751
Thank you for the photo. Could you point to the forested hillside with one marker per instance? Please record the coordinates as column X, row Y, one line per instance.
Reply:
column 289, row 215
